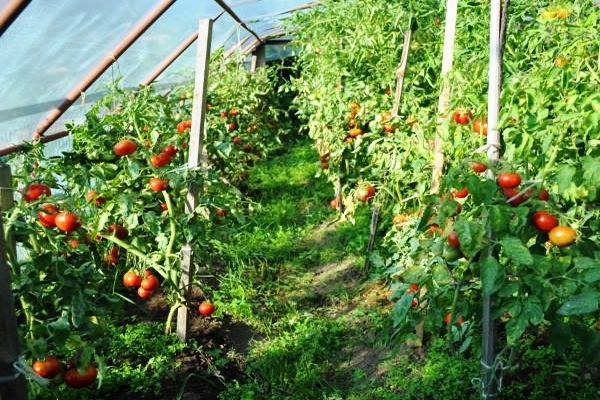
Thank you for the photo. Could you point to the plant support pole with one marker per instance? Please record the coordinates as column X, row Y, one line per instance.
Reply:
column 197, row 158
column 442, row 125
column 488, row 375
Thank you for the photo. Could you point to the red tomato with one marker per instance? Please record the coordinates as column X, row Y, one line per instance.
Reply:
column 119, row 231
column 170, row 150
column 158, row 184
column 478, row 167
column 66, row 221
column 143, row 293
column 510, row 193
column 387, row 128
column 413, row 288
column 335, row 203
column 34, row 191
column 150, row 282
column 509, row 180
column 453, row 240
column 414, row 303
column 237, row 140
column 159, row 160
column 562, row 236
column 183, row 126
column 48, row 367
column 544, row 221
column 220, row 212
column 462, row 117
column 544, row 195
column 112, row 256
column 232, row 126
column 365, row 193
column 233, row 112
column 77, row 379
column 131, row 279
column 74, row 243
column 206, row 308
column 480, row 126
column 223, row 114
column 462, row 193
column 125, row 147
column 47, row 215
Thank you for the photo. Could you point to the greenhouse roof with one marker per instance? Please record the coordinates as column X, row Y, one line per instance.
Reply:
column 51, row 46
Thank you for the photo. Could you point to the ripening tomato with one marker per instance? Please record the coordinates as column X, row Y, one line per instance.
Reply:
column 223, row 114
column 365, row 193
column 125, row 147
column 34, row 191
column 544, row 221
column 387, row 128
column 448, row 319
column 413, row 288
column 131, row 279
column 66, row 221
column 170, row 150
column 544, row 195
column 237, row 140
column 335, row 203
column 232, row 126
column 462, row 117
column 150, row 282
column 119, row 231
column 143, row 293
column 47, row 368
column 183, row 126
column 510, row 193
column 478, row 167
column 74, row 243
column 453, row 240
column 562, row 236
column 234, row 112
column 355, row 132
column 221, row 212
column 206, row 308
column 462, row 193
column 480, row 126
column 248, row 147
column 76, row 378
column 434, row 229
column 509, row 180
column 158, row 184
column 47, row 215
column 93, row 196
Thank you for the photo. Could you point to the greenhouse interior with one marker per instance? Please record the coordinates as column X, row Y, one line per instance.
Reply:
column 298, row 200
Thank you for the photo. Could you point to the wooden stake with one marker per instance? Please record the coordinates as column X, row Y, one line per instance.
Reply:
column 9, row 342
column 401, row 71
column 447, row 60
column 197, row 158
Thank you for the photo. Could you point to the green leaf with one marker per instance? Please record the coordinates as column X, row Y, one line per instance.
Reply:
column 471, row 236
column 516, row 250
column 580, row 304
column 490, row 271
column 533, row 310
column 564, row 177
column 481, row 192
column 401, row 309
column 516, row 327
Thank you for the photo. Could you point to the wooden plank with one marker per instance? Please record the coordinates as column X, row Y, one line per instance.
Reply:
column 259, row 58
column 9, row 341
column 447, row 60
column 197, row 158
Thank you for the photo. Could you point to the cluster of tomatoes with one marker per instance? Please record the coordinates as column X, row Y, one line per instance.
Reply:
column 414, row 289
column 48, row 214
column 145, row 285
column 51, row 368
column 464, row 117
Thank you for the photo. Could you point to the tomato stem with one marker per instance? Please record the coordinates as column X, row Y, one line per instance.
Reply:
column 131, row 249
column 169, row 322
column 453, row 313
column 173, row 228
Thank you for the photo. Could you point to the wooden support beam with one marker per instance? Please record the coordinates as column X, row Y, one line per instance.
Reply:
column 11, row 12
column 13, row 389
column 103, row 65
column 401, row 71
column 197, row 158
column 442, row 128
column 160, row 68
column 233, row 15
column 259, row 58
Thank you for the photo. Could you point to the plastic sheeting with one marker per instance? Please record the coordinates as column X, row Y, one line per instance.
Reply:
column 53, row 44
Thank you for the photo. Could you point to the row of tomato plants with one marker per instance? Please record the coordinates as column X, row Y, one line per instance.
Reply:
column 104, row 222
column 523, row 230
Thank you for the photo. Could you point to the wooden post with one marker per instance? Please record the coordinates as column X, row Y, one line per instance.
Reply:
column 7, row 201
column 401, row 72
column 259, row 58
column 442, row 128
column 197, row 158
column 9, row 342
column 488, row 350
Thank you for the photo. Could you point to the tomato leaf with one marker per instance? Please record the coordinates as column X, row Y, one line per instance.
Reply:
column 580, row 304
column 401, row 308
column 471, row 236
column 490, row 272
column 533, row 310
column 564, row 177
column 516, row 327
column 516, row 250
